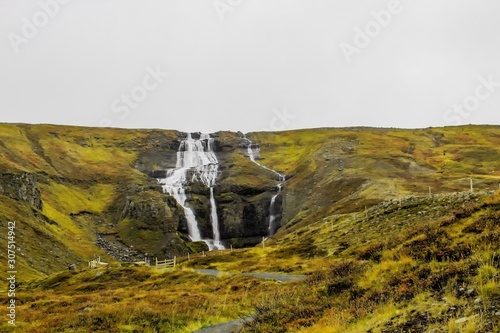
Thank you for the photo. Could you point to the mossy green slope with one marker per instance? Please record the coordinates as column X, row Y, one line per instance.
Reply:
column 80, row 172
column 344, row 170
column 424, row 264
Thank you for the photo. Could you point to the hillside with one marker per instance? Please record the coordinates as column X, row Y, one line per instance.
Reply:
column 88, row 191
column 427, row 264
column 355, row 215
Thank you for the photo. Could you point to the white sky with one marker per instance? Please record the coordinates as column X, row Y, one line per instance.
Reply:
column 265, row 57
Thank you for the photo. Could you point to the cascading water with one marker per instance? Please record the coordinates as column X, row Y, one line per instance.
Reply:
column 252, row 151
column 195, row 156
column 272, row 213
column 215, row 221
column 174, row 185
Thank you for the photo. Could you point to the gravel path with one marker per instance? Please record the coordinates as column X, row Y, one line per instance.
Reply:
column 266, row 276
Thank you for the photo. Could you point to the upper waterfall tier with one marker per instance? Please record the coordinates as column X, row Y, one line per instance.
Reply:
column 195, row 153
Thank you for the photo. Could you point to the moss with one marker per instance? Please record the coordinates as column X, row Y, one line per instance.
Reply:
column 197, row 247
column 56, row 280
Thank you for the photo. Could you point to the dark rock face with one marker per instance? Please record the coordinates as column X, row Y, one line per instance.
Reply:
column 200, row 204
column 148, row 221
column 160, row 153
column 158, row 174
column 244, row 216
column 154, row 210
column 22, row 187
column 240, row 215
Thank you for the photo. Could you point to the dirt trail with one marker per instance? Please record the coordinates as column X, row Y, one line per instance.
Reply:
column 235, row 325
column 228, row 327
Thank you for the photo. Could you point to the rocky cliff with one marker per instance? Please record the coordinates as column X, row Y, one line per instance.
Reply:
column 21, row 187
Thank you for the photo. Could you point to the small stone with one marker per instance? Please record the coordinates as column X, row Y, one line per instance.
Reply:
column 497, row 313
column 477, row 300
column 470, row 291
column 461, row 320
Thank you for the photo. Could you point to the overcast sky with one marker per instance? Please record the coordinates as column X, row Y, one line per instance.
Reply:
column 249, row 65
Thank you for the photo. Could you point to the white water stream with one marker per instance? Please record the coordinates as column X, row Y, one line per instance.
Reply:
column 195, row 157
column 253, row 151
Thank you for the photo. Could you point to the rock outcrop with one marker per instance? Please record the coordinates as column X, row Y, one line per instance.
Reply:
column 153, row 211
column 21, row 187
column 150, row 222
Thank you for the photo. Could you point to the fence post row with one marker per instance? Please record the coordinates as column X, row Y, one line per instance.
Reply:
column 166, row 263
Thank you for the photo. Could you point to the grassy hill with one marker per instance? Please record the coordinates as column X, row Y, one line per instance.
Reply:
column 80, row 172
column 381, row 255
column 344, row 170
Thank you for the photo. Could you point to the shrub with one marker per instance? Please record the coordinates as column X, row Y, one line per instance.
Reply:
column 372, row 252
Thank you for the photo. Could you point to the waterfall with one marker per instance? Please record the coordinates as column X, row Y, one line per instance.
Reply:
column 215, row 220
column 195, row 157
column 252, row 151
column 272, row 213
column 174, row 185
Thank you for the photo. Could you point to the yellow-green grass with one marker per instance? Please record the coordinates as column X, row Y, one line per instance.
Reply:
column 245, row 173
column 82, row 171
column 465, row 146
column 141, row 299
column 349, row 291
column 17, row 153
column 386, row 290
column 74, row 152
